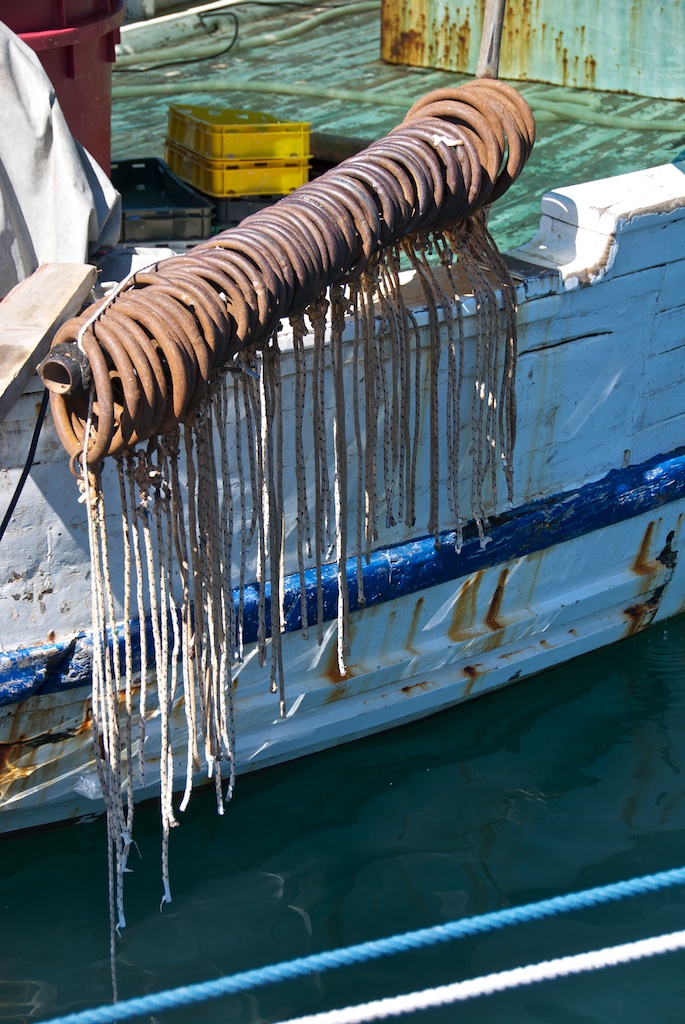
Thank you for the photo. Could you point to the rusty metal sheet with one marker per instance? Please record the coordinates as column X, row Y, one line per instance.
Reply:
column 612, row 45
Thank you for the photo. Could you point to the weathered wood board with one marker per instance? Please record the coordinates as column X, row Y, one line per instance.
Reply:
column 29, row 317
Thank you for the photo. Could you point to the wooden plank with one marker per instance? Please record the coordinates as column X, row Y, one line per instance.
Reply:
column 29, row 318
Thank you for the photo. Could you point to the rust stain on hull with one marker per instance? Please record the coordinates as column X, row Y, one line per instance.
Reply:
column 38, row 755
column 492, row 618
column 416, row 615
column 464, row 611
column 418, row 687
column 640, row 615
column 472, row 673
column 642, row 566
column 331, row 669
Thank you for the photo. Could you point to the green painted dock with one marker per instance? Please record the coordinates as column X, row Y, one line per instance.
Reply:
column 343, row 56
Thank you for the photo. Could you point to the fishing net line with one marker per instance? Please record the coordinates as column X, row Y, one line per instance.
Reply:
column 276, row 403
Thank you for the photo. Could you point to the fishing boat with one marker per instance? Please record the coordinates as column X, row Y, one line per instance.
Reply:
column 377, row 501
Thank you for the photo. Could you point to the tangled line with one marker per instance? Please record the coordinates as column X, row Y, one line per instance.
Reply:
column 152, row 348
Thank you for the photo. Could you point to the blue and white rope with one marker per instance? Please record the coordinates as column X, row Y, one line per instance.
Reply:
column 460, row 991
column 189, row 995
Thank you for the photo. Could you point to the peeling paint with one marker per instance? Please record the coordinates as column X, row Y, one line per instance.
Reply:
column 639, row 616
column 463, row 593
column 667, row 556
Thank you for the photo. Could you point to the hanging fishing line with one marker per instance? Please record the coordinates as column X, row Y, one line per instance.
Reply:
column 296, row 320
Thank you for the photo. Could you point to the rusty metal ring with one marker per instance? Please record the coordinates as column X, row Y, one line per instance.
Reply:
column 154, row 347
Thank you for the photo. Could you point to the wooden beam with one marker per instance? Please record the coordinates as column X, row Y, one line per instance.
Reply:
column 29, row 317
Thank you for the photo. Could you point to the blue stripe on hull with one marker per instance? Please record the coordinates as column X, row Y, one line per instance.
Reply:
column 400, row 570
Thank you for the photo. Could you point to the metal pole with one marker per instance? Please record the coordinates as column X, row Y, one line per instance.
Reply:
column 488, row 58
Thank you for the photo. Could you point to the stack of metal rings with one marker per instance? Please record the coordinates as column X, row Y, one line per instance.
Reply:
column 154, row 347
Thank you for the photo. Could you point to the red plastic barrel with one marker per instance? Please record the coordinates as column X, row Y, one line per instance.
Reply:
column 74, row 40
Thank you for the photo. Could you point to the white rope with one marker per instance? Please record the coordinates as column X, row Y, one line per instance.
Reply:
column 340, row 478
column 415, row 250
column 459, row 992
column 455, row 386
column 273, row 455
column 238, row 392
column 136, row 542
column 181, row 540
column 260, row 496
column 322, row 498
column 395, row 325
column 228, row 626
column 354, row 293
column 104, row 729
column 187, row 636
column 369, row 342
column 304, row 541
column 128, row 651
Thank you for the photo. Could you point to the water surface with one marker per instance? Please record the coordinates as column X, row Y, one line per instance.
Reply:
column 566, row 781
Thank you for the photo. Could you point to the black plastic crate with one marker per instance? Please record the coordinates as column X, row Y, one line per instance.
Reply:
column 229, row 212
column 157, row 205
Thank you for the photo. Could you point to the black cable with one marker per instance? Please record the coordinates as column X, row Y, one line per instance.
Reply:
column 189, row 60
column 230, row 14
column 269, row 3
column 27, row 465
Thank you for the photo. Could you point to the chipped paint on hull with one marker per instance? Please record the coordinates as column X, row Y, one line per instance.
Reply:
column 410, row 569
column 588, row 556
column 553, row 582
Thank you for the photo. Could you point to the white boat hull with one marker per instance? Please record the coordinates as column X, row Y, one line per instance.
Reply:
column 587, row 555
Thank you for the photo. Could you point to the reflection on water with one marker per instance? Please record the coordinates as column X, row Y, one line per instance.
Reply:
column 570, row 780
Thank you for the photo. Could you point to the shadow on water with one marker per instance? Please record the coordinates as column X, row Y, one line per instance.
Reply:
column 569, row 780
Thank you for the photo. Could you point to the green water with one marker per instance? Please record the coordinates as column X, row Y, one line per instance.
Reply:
column 570, row 780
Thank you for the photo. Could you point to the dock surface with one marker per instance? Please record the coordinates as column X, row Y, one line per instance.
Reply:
column 344, row 55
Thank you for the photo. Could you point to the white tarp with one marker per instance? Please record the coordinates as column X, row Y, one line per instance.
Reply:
column 56, row 204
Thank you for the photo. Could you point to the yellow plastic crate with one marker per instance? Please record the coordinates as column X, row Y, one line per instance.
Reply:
column 216, row 133
column 236, row 177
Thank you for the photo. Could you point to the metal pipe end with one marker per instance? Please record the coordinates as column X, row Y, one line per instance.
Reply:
column 65, row 370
